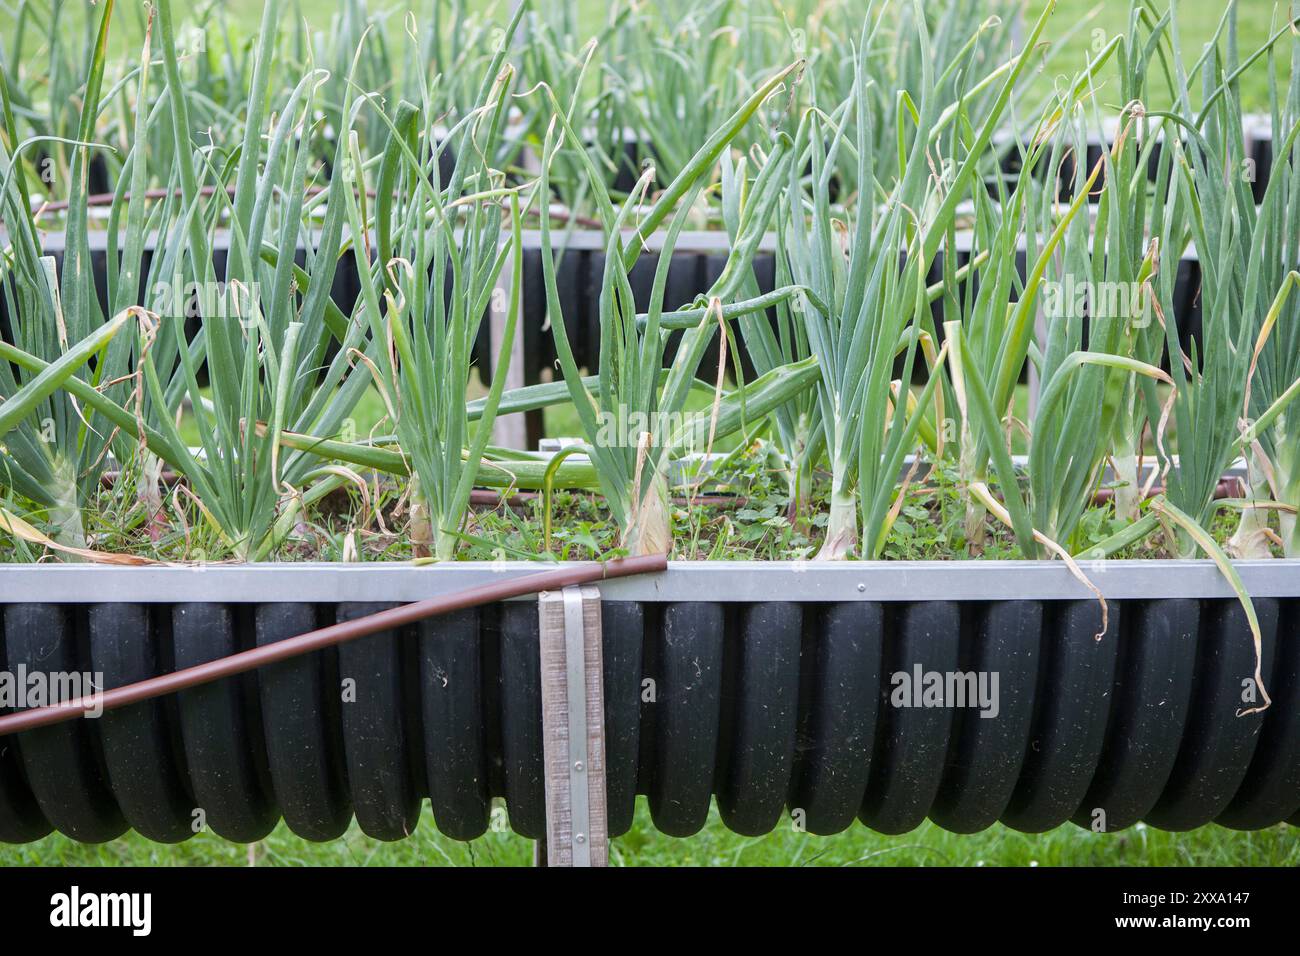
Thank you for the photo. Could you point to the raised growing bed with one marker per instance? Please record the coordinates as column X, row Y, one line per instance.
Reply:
column 698, row 259
column 344, row 290
column 772, row 687
column 1257, row 138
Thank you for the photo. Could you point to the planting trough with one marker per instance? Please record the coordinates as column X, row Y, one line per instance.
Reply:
column 769, row 690
column 698, row 260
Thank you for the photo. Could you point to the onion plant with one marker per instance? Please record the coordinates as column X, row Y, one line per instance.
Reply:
column 258, row 342
column 1274, row 452
column 681, row 77
column 1077, row 274
column 632, row 460
column 355, row 49
column 967, row 41
column 55, row 456
column 776, row 336
column 1071, row 267
column 1215, row 414
column 556, row 54
column 966, row 44
column 885, row 43
column 45, row 91
column 1126, row 208
column 457, row 43
column 867, row 280
column 438, row 260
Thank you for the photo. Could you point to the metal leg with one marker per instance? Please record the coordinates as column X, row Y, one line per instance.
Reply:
column 573, row 727
column 509, row 431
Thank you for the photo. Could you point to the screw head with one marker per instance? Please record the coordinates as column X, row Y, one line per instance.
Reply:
column 579, row 838
column 861, row 586
column 577, row 765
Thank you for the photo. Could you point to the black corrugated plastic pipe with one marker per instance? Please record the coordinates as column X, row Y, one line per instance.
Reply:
column 323, row 637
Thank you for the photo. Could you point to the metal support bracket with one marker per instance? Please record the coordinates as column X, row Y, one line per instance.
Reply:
column 573, row 727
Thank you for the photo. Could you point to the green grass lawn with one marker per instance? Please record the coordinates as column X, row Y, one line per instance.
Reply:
column 1093, row 24
column 713, row 846
column 1196, row 21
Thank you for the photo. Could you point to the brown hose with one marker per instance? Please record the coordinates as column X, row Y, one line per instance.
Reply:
column 106, row 199
column 491, row 498
column 1231, row 487
column 210, row 671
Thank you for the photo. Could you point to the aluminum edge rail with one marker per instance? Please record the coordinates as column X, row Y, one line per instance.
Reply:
column 710, row 581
